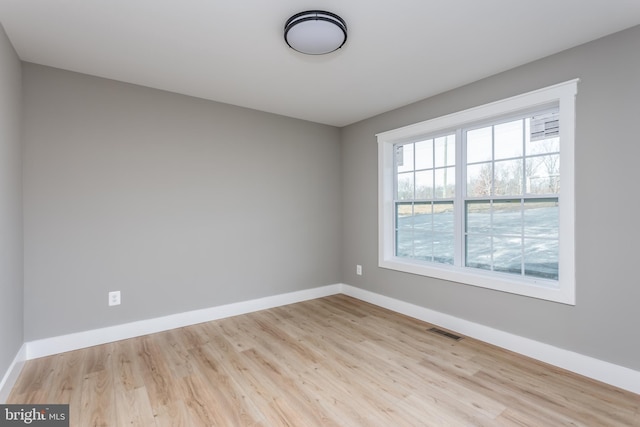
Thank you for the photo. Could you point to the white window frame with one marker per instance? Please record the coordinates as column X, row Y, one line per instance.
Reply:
column 562, row 290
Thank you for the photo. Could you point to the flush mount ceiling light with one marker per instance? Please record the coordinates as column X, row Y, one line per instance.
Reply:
column 315, row 32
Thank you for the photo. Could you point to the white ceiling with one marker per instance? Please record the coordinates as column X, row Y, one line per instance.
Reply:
column 231, row 51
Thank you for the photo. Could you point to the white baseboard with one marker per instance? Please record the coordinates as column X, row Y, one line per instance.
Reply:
column 606, row 372
column 11, row 376
column 75, row 341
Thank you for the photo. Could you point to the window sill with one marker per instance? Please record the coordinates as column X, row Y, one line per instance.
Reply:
column 549, row 290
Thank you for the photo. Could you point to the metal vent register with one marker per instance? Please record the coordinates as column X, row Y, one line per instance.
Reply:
column 445, row 334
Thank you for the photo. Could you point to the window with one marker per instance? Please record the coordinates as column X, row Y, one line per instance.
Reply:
column 476, row 196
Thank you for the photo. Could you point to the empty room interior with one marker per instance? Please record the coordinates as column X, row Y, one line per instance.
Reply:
column 209, row 217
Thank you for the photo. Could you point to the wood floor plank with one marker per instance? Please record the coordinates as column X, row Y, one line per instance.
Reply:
column 132, row 407
column 225, row 396
column 284, row 391
column 333, row 361
column 125, row 365
column 97, row 403
column 173, row 414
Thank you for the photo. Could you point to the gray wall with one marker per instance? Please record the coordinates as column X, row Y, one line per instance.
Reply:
column 11, row 302
column 178, row 202
column 603, row 323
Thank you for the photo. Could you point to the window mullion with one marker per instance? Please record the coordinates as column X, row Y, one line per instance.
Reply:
column 459, row 198
column 491, row 196
column 395, row 198
column 524, row 194
column 413, row 202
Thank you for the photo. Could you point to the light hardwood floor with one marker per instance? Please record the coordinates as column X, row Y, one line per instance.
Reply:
column 333, row 361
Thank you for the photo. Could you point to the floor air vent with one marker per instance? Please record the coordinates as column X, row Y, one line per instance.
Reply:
column 445, row 334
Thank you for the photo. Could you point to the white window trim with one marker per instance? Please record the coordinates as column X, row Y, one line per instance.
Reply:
column 563, row 290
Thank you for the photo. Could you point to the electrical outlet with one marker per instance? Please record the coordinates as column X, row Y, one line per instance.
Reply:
column 114, row 298
column 359, row 270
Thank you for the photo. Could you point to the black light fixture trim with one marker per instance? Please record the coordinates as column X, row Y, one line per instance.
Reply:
column 315, row 15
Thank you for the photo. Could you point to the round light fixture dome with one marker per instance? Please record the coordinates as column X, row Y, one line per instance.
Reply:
column 315, row 32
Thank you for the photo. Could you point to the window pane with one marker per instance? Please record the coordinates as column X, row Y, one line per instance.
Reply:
column 508, row 140
column 423, row 248
column 419, row 211
column 508, row 178
column 425, row 231
column 445, row 151
column 507, row 254
column 543, row 174
column 479, row 252
column 404, row 243
column 422, row 230
column 405, row 186
column 445, row 184
column 541, row 258
column 404, row 216
column 541, row 218
column 424, row 184
column 404, row 157
column 443, row 217
column 404, row 229
column 478, row 217
column 517, row 236
column 479, row 180
column 542, row 146
column 443, row 248
column 424, row 154
column 479, row 147
column 507, row 217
